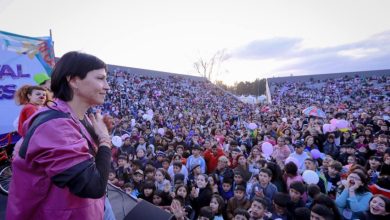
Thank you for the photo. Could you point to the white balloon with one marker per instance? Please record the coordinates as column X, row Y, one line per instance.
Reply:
column 117, row 141
column 310, row 177
column 161, row 131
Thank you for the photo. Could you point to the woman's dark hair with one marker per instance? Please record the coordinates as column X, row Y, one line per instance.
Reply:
column 72, row 64
column 313, row 190
column 276, row 171
column 302, row 213
column 181, row 186
column 149, row 185
column 206, row 212
column 215, row 177
column 291, row 168
column 364, row 178
column 221, row 203
column 385, row 199
column 323, row 199
column 323, row 211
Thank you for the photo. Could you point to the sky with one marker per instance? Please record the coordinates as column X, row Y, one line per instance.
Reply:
column 261, row 39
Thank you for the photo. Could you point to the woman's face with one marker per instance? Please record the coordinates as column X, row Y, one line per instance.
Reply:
column 159, row 177
column 148, row 192
column 354, row 179
column 214, row 205
column 157, row 200
column 140, row 154
column 211, row 180
column 242, row 160
column 378, row 206
column 182, row 192
column 92, row 89
column 201, row 182
column 374, row 163
column 310, row 141
column 37, row 97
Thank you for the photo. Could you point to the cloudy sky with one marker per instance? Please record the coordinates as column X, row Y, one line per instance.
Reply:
column 261, row 38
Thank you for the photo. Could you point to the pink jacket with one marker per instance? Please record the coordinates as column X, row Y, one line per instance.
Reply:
column 55, row 146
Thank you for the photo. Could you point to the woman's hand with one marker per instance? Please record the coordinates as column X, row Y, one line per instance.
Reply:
column 100, row 128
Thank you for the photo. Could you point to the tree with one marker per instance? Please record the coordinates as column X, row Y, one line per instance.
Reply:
column 210, row 68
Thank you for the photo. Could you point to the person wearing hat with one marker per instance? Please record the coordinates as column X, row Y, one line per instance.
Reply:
column 300, row 155
column 196, row 158
column 239, row 200
column 223, row 170
column 211, row 156
column 194, row 173
column 43, row 80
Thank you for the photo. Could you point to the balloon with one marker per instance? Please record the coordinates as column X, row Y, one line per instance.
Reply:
column 310, row 177
column 123, row 137
column 149, row 117
column 252, row 126
column 117, row 141
column 267, row 148
column 292, row 159
column 333, row 121
column 315, row 153
column 344, row 129
column 326, row 128
column 332, row 128
column 161, row 131
column 149, row 112
column 341, row 124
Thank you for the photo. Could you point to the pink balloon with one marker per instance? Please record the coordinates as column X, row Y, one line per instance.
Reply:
column 315, row 153
column 326, row 128
column 332, row 128
column 267, row 148
column 342, row 124
column 292, row 159
column 333, row 121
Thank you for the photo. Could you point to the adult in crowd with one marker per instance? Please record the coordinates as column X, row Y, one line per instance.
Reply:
column 61, row 171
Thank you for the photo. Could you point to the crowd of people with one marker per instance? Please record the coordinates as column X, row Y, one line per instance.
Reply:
column 188, row 143
column 196, row 151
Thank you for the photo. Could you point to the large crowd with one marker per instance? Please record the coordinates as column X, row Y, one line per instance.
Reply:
column 186, row 143
column 318, row 150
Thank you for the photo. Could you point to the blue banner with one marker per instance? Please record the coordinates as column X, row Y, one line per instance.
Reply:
column 21, row 57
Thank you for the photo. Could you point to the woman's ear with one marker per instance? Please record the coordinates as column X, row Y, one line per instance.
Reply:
column 72, row 82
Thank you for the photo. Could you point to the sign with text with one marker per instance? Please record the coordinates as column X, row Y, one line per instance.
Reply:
column 21, row 57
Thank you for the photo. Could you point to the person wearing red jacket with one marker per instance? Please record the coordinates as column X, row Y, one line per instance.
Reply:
column 211, row 156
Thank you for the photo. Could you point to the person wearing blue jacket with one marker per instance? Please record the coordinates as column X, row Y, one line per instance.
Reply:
column 355, row 197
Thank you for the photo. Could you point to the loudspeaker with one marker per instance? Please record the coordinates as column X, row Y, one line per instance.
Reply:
column 145, row 210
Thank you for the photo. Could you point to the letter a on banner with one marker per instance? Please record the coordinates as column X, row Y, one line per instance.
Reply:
column 21, row 58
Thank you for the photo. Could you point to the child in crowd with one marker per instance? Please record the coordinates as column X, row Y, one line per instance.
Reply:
column 237, row 201
column 226, row 190
column 148, row 191
column 280, row 203
column 333, row 178
column 162, row 180
column 264, row 188
column 217, row 205
column 241, row 214
column 296, row 192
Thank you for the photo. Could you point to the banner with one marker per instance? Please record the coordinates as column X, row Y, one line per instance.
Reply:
column 21, row 57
